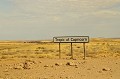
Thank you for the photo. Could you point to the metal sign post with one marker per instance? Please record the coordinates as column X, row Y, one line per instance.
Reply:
column 71, row 52
column 71, row 39
column 84, row 50
column 59, row 51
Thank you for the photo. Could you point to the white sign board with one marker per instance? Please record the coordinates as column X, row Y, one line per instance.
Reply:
column 71, row 39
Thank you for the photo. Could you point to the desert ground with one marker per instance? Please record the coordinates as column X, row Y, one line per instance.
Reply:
column 40, row 60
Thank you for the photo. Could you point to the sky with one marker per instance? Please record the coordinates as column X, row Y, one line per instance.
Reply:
column 44, row 19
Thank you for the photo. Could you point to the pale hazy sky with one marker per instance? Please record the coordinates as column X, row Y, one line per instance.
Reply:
column 44, row 19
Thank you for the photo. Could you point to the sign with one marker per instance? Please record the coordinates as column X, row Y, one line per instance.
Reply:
column 71, row 39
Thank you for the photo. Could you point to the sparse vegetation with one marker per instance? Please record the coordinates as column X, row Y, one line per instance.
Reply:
column 41, row 50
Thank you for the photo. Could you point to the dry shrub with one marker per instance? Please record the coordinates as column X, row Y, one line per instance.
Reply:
column 6, row 56
column 46, row 56
column 21, row 56
column 3, row 57
column 8, row 53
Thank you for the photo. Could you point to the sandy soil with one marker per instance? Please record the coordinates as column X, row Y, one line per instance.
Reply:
column 91, row 68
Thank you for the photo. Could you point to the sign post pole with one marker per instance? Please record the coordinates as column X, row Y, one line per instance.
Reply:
column 84, row 50
column 71, row 52
column 59, row 52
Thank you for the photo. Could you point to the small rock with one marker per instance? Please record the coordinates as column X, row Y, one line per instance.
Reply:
column 58, row 64
column 106, row 69
column 26, row 65
column 83, row 62
column 99, row 71
column 88, row 69
column 74, row 59
column 46, row 66
column 40, row 62
column 60, row 77
column 78, row 72
column 93, row 66
column 76, row 66
column 31, row 61
column 10, row 67
column 18, row 67
column 7, row 74
column 6, row 70
column 21, row 64
column 67, row 77
column 52, row 66
column 71, row 64
column 45, row 78
column 52, row 76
